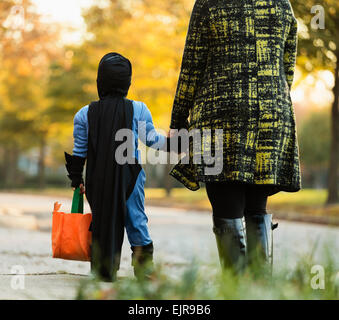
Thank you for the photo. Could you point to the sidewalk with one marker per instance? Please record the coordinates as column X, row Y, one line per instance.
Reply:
column 178, row 236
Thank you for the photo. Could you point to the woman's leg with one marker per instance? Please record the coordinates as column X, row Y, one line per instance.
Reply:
column 256, row 200
column 228, row 202
column 258, row 226
column 227, row 199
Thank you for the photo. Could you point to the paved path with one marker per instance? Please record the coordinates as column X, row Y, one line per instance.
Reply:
column 178, row 235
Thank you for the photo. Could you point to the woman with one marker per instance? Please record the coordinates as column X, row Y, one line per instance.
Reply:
column 236, row 75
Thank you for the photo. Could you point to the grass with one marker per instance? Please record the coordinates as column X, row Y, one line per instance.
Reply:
column 302, row 204
column 50, row 191
column 306, row 198
column 306, row 205
column 201, row 282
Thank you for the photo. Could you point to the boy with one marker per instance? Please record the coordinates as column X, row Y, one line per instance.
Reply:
column 114, row 191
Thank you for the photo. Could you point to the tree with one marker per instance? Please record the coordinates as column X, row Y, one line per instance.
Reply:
column 26, row 47
column 314, row 137
column 319, row 49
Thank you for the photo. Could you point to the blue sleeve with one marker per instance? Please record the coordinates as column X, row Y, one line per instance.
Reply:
column 147, row 133
column 80, row 133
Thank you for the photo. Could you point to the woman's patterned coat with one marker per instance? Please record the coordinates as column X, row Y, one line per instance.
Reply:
column 236, row 75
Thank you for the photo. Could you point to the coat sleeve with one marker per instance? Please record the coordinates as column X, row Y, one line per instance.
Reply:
column 193, row 64
column 290, row 52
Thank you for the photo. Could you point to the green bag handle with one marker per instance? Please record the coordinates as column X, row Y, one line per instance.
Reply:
column 77, row 202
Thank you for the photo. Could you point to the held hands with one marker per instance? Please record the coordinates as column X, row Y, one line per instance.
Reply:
column 180, row 146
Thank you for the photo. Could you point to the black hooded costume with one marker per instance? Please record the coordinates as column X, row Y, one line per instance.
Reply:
column 108, row 183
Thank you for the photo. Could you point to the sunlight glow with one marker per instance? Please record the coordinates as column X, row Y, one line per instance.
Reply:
column 314, row 90
column 68, row 13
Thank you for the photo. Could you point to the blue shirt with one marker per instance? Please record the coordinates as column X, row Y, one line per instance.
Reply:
column 136, row 219
column 142, row 123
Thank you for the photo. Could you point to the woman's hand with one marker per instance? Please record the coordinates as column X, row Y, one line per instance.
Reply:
column 82, row 189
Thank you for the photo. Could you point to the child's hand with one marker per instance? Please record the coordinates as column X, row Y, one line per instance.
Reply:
column 82, row 189
column 180, row 147
column 172, row 133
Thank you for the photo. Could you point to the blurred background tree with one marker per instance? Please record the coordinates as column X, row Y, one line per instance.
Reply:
column 319, row 49
column 45, row 81
column 315, row 143
column 27, row 47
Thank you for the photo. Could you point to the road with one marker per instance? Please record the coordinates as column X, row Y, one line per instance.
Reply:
column 179, row 236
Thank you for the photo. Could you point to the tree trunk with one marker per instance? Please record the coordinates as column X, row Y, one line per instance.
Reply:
column 167, row 178
column 2, row 167
column 6, row 166
column 334, row 156
column 10, row 165
column 41, row 164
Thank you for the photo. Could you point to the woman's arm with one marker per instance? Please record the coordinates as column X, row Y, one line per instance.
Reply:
column 290, row 53
column 193, row 64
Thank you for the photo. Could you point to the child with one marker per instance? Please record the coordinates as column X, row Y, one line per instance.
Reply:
column 114, row 191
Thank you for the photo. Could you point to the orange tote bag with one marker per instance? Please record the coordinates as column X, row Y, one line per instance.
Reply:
column 71, row 238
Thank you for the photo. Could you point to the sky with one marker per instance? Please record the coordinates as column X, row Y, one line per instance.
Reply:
column 68, row 12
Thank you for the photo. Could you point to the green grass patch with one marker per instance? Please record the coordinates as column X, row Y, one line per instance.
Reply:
column 306, row 201
column 207, row 282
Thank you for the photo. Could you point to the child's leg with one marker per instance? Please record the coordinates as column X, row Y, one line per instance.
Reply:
column 137, row 230
column 136, row 219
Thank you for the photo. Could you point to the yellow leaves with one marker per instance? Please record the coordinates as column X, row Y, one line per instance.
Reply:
column 24, row 68
column 152, row 37
column 25, row 55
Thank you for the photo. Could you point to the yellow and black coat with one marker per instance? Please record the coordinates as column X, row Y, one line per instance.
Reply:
column 236, row 75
